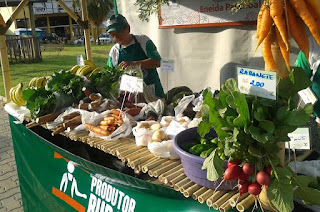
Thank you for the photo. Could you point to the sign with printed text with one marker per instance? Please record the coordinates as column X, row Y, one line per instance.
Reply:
column 131, row 84
column 167, row 66
column 308, row 96
column 257, row 82
column 299, row 139
column 203, row 13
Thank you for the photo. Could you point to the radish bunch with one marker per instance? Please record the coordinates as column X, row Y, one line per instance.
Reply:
column 234, row 172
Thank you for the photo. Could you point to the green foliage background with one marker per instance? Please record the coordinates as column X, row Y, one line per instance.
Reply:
column 55, row 61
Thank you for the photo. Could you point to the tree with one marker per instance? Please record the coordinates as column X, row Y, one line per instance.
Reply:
column 97, row 12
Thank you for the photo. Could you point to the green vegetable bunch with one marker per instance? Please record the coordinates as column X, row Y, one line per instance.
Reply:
column 105, row 82
column 249, row 130
column 248, row 127
column 61, row 91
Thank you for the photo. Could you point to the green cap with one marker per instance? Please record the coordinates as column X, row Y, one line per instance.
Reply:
column 116, row 23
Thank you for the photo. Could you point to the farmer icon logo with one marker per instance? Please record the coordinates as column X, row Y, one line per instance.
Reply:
column 68, row 177
column 69, row 185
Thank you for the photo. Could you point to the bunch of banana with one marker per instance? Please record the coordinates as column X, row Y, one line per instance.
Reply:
column 74, row 69
column 92, row 72
column 84, row 70
column 89, row 63
column 15, row 94
column 38, row 82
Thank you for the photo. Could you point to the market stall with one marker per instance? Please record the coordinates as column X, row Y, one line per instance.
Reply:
column 96, row 139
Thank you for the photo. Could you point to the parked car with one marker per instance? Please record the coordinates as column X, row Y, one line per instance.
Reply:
column 50, row 38
column 105, row 38
column 81, row 40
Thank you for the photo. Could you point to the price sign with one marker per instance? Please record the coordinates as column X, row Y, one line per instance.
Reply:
column 299, row 139
column 167, row 66
column 80, row 60
column 307, row 96
column 131, row 84
column 257, row 82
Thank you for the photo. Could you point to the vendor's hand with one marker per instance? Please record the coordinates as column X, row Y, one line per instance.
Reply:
column 125, row 64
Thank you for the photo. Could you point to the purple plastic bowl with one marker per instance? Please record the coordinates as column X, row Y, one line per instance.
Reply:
column 192, row 164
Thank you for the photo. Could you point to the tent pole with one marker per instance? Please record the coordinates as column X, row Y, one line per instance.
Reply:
column 86, row 30
column 5, row 67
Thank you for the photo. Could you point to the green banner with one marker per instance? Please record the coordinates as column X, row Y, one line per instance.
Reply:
column 52, row 179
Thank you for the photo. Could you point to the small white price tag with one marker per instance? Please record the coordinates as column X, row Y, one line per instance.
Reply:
column 299, row 139
column 257, row 82
column 167, row 66
column 173, row 129
column 80, row 60
column 131, row 84
column 308, row 96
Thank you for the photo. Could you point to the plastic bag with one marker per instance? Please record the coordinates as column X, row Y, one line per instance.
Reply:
column 19, row 112
column 155, row 107
column 195, row 122
column 163, row 149
column 67, row 111
column 309, row 168
column 94, row 118
column 143, row 132
column 183, row 104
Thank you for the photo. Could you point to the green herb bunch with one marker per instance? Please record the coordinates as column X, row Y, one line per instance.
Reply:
column 61, row 91
column 249, row 130
column 106, row 82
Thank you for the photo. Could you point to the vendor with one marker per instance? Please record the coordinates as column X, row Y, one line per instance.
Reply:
column 311, row 67
column 131, row 50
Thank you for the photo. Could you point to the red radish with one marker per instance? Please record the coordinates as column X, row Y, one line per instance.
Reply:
column 232, row 173
column 248, row 169
column 263, row 178
column 243, row 176
column 233, row 163
column 268, row 170
column 254, row 189
column 243, row 187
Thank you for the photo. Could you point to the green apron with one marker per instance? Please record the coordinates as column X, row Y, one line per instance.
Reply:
column 150, row 76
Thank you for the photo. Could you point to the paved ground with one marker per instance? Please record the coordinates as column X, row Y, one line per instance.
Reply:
column 10, row 197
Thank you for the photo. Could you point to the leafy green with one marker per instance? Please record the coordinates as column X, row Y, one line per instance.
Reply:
column 61, row 91
column 309, row 195
column 40, row 102
column 280, row 194
column 214, row 166
column 106, row 82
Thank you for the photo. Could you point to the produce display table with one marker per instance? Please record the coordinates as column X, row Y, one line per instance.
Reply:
column 58, row 173
column 49, row 183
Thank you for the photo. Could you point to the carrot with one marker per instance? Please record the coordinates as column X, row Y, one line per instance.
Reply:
column 315, row 4
column 301, row 9
column 297, row 31
column 276, row 12
column 114, row 111
column 267, row 54
column 266, row 23
column 260, row 14
column 284, row 51
column 107, row 122
column 97, row 130
column 315, row 15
